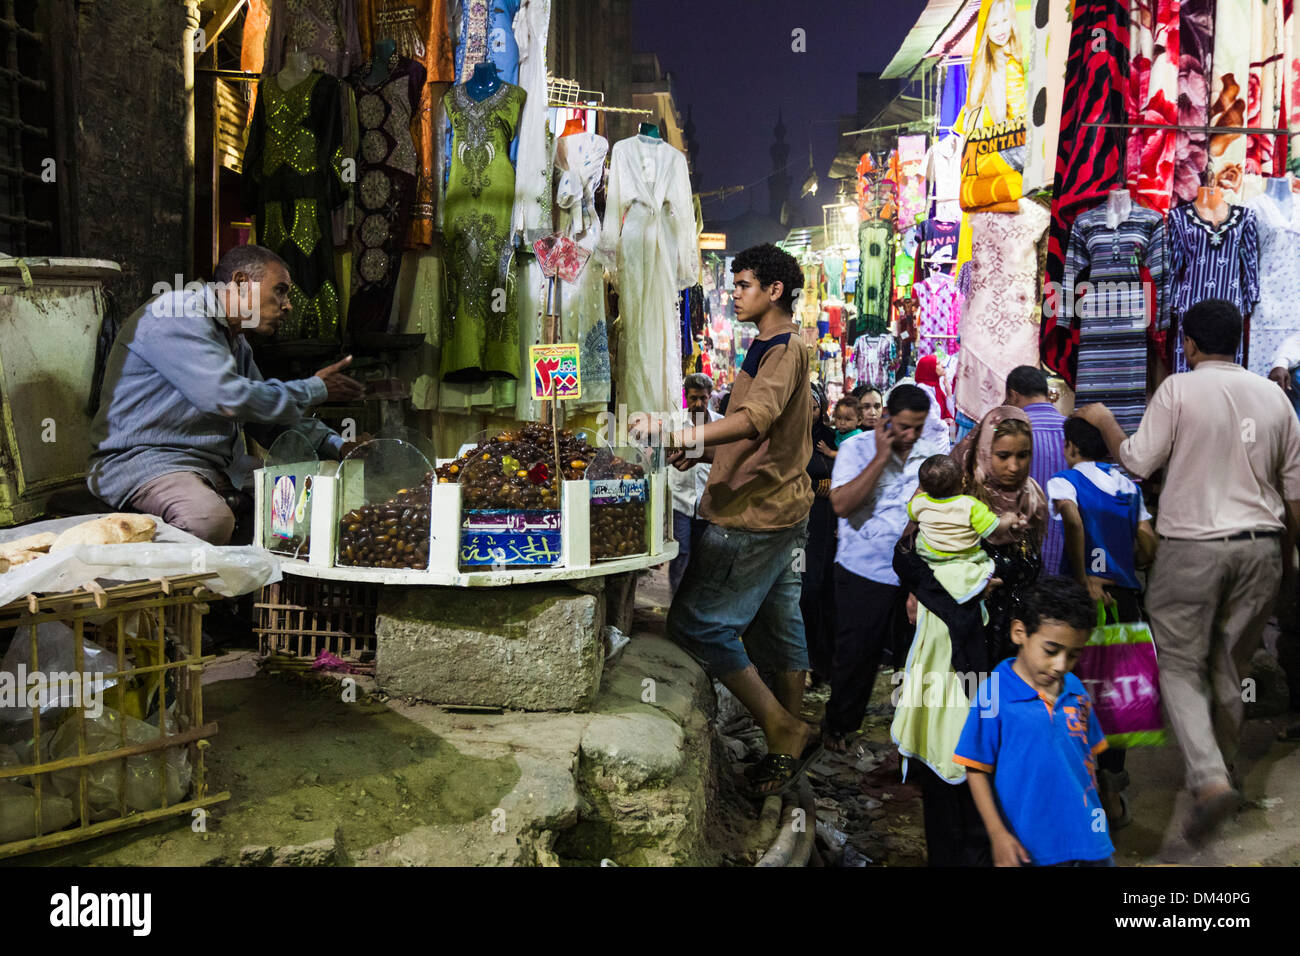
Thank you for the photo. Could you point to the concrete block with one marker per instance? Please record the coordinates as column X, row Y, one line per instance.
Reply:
column 522, row 648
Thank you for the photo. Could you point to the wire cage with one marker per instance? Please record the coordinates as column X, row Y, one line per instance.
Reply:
column 128, row 751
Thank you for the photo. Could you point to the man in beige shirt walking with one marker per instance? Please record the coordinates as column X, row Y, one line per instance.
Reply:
column 1230, row 443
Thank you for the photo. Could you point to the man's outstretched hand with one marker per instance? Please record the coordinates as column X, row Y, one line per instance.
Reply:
column 1282, row 378
column 340, row 387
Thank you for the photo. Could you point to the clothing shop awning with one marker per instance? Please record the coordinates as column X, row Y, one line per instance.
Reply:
column 941, row 20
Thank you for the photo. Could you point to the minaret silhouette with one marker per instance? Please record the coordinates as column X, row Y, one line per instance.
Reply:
column 778, row 184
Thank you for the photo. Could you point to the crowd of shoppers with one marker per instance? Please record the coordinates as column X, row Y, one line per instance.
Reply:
column 827, row 540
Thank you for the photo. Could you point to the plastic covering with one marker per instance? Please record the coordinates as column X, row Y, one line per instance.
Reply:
column 173, row 552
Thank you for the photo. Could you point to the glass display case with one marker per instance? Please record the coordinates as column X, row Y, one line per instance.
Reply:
column 385, row 488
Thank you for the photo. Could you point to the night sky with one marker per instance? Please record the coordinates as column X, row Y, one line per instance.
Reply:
column 732, row 63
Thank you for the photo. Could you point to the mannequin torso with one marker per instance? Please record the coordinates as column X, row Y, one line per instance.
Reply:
column 380, row 63
column 296, row 69
column 1118, row 207
column 485, row 81
column 1279, row 190
column 1211, row 206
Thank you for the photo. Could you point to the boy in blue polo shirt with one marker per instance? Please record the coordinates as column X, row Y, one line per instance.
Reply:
column 1030, row 744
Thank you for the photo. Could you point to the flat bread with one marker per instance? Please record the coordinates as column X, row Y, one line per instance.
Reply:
column 110, row 529
column 33, row 542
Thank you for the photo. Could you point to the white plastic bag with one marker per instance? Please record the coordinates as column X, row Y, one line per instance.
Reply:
column 56, row 659
column 143, row 771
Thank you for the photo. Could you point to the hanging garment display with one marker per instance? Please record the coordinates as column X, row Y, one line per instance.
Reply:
column 993, row 123
column 580, row 171
column 1195, row 55
column 487, row 34
column 326, row 30
column 1211, row 262
column 952, row 95
column 419, row 28
column 875, row 360
column 939, row 311
column 911, row 184
column 1277, row 314
column 1289, row 110
column 943, row 176
column 1230, row 72
column 1153, row 98
column 833, row 276
column 1087, row 159
column 533, row 177
column 875, row 279
column 936, row 247
column 649, row 244
column 1109, row 303
column 1045, row 92
column 999, row 325
column 1270, row 73
column 386, row 174
column 291, row 183
column 480, row 336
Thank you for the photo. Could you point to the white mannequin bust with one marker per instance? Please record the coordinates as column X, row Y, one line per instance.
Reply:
column 1119, row 205
column 297, row 67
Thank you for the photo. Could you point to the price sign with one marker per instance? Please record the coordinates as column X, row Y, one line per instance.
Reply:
column 556, row 374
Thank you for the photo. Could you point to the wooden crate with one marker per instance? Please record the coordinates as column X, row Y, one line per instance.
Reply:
column 177, row 605
column 302, row 616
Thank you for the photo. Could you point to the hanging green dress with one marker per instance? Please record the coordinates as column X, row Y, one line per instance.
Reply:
column 480, row 334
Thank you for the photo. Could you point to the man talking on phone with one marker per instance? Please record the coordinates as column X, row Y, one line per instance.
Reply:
column 875, row 476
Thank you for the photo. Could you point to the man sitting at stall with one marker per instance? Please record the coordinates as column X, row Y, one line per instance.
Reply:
column 180, row 386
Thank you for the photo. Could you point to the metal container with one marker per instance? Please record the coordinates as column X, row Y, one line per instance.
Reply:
column 50, row 314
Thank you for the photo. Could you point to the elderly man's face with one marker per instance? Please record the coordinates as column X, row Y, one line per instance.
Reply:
column 697, row 402
column 264, row 302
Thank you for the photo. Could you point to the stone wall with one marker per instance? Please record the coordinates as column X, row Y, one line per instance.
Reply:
column 130, row 114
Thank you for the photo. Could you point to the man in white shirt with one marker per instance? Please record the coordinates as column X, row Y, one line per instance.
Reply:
column 1230, row 445
column 875, row 475
column 688, row 486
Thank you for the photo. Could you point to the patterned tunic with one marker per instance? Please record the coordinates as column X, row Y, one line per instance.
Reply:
column 1211, row 262
column 386, row 174
column 939, row 314
column 1111, row 300
column 480, row 333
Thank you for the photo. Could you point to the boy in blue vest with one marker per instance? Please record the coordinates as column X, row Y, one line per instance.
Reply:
column 1108, row 537
column 1030, row 740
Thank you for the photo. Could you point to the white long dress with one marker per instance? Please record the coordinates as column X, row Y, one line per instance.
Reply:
column 580, row 169
column 531, row 217
column 1276, row 315
column 649, row 244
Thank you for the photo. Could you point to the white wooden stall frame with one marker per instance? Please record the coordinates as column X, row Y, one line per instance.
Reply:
column 332, row 498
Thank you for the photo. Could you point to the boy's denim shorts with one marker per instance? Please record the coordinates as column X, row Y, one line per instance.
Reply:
column 743, row 583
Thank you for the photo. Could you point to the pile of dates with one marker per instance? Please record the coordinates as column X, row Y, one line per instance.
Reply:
column 617, row 530
column 514, row 470
column 394, row 534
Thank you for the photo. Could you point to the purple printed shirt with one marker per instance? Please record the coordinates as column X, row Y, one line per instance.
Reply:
column 1049, row 457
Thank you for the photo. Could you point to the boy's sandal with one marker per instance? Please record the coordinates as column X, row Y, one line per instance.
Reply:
column 782, row 769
